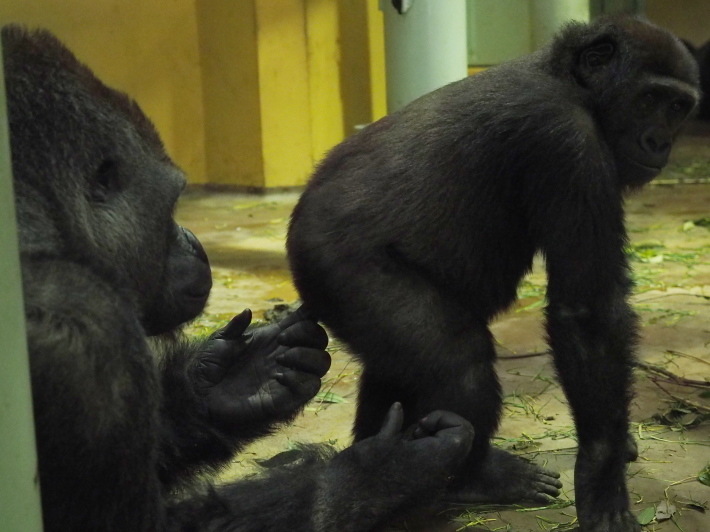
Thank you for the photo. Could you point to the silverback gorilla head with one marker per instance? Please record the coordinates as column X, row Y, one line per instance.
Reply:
column 109, row 201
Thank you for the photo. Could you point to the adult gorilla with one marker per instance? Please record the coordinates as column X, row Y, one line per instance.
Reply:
column 414, row 234
column 120, row 427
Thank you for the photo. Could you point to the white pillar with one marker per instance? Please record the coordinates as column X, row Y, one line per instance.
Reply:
column 548, row 16
column 425, row 47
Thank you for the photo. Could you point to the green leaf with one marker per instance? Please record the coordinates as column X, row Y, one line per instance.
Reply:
column 687, row 226
column 330, row 397
column 647, row 515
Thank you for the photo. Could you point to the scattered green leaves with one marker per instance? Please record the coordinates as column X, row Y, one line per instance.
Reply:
column 702, row 222
column 664, row 316
column 330, row 398
column 680, row 417
column 646, row 251
column 647, row 515
column 704, row 475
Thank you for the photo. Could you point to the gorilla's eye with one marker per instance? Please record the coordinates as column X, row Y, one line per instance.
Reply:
column 677, row 107
column 105, row 180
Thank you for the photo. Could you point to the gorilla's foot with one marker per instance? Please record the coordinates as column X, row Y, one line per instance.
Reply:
column 505, row 478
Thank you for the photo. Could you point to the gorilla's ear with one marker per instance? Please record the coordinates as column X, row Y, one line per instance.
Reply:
column 597, row 54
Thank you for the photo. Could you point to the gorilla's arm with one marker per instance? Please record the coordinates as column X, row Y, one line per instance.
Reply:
column 354, row 491
column 237, row 386
column 592, row 329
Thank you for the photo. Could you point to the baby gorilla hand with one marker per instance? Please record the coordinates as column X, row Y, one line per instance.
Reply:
column 264, row 373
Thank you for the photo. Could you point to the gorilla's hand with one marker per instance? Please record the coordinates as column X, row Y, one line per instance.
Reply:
column 264, row 373
column 391, row 472
column 438, row 444
column 600, row 490
column 444, row 437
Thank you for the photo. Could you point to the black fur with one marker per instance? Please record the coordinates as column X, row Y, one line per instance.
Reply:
column 414, row 234
column 125, row 424
column 703, row 57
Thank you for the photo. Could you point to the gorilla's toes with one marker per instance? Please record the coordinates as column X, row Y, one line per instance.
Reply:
column 505, row 478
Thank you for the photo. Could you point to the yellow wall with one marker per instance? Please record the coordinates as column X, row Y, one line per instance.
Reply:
column 133, row 46
column 244, row 92
column 689, row 19
column 230, row 76
column 284, row 90
column 310, row 71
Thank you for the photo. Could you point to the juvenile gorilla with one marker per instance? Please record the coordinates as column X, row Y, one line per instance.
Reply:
column 121, row 427
column 414, row 234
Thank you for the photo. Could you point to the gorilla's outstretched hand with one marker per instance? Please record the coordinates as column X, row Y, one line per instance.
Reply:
column 436, row 446
column 443, row 437
column 264, row 373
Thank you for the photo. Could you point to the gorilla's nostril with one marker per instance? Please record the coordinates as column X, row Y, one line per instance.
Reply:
column 200, row 252
column 194, row 245
column 655, row 142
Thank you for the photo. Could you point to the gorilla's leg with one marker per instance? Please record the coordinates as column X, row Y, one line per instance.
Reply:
column 429, row 352
column 375, row 394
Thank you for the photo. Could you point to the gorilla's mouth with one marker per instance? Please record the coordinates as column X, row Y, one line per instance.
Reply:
column 198, row 293
column 655, row 170
column 199, row 289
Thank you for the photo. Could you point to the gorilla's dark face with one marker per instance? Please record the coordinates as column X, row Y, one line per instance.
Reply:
column 111, row 200
column 642, row 104
column 188, row 285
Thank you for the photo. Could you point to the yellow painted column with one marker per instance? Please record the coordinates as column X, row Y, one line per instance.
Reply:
column 326, row 103
column 230, row 80
column 284, row 92
column 283, row 82
column 147, row 49
column 378, row 84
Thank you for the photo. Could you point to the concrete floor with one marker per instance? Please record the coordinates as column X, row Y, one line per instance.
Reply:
column 244, row 237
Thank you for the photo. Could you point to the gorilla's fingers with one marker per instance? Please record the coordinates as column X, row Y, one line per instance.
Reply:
column 542, row 498
column 304, row 333
column 315, row 361
column 302, row 385
column 550, row 473
column 392, row 426
column 299, row 314
column 440, row 420
column 442, row 423
column 549, row 487
column 307, row 312
column 236, row 327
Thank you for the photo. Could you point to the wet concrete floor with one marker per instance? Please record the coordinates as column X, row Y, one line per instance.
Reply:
column 669, row 226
